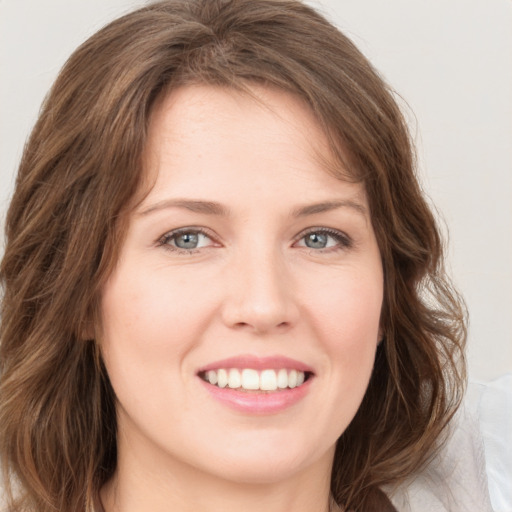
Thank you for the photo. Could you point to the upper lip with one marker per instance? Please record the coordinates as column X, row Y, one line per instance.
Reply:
column 257, row 363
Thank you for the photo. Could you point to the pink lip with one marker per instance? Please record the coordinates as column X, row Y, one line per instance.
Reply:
column 264, row 402
column 258, row 363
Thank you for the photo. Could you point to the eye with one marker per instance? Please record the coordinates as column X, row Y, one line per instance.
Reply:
column 186, row 239
column 322, row 238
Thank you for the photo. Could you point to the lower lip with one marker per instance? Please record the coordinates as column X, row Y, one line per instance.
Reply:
column 258, row 403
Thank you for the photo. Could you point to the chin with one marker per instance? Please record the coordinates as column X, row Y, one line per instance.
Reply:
column 259, row 472
column 267, row 463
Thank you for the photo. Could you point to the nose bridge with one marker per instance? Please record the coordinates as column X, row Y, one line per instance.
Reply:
column 260, row 297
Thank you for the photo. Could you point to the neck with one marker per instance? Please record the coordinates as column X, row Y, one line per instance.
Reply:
column 137, row 487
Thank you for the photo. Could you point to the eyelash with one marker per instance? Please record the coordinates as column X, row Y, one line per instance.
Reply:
column 342, row 239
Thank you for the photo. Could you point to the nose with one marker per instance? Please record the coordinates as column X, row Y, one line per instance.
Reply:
column 260, row 296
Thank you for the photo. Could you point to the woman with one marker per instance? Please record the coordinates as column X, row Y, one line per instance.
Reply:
column 222, row 285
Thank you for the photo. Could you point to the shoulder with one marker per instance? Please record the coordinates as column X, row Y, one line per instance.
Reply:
column 455, row 479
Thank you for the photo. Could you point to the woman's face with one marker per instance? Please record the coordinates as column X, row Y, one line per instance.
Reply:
column 247, row 264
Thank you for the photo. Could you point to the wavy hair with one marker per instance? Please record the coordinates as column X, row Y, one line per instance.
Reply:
column 79, row 174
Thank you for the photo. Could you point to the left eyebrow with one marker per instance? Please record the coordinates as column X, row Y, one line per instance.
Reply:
column 312, row 209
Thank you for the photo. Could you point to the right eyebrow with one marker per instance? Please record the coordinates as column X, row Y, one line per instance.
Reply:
column 196, row 206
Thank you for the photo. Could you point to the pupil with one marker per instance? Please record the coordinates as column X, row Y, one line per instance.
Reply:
column 316, row 241
column 187, row 241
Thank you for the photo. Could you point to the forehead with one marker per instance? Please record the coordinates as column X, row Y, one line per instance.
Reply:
column 189, row 111
column 203, row 135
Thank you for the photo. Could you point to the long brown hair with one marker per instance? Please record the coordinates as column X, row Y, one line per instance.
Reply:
column 81, row 170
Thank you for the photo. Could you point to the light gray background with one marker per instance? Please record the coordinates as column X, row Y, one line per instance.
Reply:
column 449, row 59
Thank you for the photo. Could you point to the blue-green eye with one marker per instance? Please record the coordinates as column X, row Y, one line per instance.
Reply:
column 186, row 240
column 324, row 239
column 316, row 240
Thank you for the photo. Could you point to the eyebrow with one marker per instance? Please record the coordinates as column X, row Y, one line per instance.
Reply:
column 196, row 206
column 214, row 208
column 312, row 209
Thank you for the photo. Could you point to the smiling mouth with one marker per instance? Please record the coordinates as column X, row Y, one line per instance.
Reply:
column 251, row 380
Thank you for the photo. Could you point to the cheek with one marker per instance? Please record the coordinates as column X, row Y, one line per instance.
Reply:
column 346, row 319
column 151, row 321
column 348, row 310
column 146, row 335
column 149, row 307
column 136, row 331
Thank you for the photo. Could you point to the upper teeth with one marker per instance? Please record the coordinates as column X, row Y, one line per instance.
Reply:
column 265, row 380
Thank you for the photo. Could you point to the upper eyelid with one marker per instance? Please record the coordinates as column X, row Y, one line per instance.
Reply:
column 188, row 229
column 320, row 229
column 329, row 231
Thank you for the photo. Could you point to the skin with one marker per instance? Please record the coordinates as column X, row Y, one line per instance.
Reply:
column 251, row 286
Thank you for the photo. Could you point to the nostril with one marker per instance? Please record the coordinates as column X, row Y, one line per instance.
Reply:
column 242, row 326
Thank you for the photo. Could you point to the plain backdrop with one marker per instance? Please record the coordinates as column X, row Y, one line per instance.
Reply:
column 449, row 61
